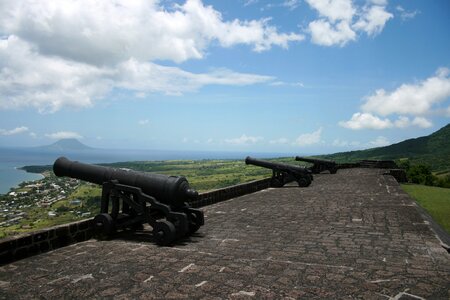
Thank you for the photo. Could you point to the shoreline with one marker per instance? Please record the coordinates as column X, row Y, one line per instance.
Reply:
column 17, row 181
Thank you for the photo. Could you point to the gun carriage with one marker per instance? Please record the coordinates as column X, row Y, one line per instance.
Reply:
column 283, row 173
column 319, row 165
column 137, row 198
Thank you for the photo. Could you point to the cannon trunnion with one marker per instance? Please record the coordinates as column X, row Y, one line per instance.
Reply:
column 131, row 198
column 319, row 165
column 283, row 173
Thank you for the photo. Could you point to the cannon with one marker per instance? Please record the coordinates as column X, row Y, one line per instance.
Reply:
column 319, row 165
column 137, row 198
column 283, row 173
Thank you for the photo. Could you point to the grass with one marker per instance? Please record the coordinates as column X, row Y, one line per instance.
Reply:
column 435, row 200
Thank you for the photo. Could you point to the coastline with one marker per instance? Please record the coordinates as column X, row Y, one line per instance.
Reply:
column 13, row 178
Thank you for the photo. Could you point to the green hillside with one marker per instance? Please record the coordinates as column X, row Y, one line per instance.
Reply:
column 433, row 150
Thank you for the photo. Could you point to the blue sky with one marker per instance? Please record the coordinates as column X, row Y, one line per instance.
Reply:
column 310, row 76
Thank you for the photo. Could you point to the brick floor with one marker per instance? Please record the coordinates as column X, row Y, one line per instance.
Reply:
column 355, row 234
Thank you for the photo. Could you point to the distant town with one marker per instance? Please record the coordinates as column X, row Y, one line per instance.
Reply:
column 31, row 203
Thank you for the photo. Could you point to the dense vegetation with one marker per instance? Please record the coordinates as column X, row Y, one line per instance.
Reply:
column 421, row 174
column 432, row 150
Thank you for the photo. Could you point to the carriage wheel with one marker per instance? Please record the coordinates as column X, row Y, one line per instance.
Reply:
column 103, row 226
column 303, row 182
column 164, row 232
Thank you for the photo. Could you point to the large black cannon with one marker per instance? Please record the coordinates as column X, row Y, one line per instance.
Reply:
column 137, row 198
column 283, row 173
column 319, row 165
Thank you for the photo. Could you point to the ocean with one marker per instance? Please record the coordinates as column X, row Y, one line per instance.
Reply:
column 13, row 158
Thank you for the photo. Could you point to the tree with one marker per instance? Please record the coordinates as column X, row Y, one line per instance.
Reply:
column 421, row 174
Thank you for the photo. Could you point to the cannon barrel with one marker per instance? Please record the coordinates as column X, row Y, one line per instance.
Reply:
column 172, row 190
column 274, row 165
column 314, row 160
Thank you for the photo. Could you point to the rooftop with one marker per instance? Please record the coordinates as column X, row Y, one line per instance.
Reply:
column 355, row 234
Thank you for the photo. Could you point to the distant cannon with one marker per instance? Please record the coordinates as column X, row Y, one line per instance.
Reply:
column 319, row 165
column 137, row 198
column 283, row 173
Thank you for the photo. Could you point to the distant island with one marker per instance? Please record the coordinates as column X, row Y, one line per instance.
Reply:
column 65, row 145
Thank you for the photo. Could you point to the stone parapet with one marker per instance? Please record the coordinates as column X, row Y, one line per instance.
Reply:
column 28, row 244
column 231, row 192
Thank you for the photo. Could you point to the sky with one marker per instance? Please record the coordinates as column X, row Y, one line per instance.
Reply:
column 287, row 76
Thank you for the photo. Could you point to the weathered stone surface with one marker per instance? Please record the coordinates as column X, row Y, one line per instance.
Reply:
column 355, row 234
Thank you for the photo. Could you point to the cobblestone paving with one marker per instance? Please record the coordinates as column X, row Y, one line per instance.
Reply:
column 355, row 234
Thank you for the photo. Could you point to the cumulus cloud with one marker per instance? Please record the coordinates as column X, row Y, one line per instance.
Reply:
column 421, row 122
column 326, row 34
column 72, row 53
column 411, row 99
column 373, row 19
column 366, row 121
column 14, row 131
column 308, row 139
column 244, row 140
column 143, row 122
column 410, row 103
column 64, row 135
column 340, row 21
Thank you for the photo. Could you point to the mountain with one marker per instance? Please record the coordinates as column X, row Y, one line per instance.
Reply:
column 433, row 150
column 65, row 145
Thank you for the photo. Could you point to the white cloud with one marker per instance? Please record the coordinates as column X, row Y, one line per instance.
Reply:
column 369, row 121
column 14, row 131
column 308, row 139
column 28, row 79
column 340, row 21
column 422, row 122
column 366, row 121
column 379, row 142
column 334, row 10
column 411, row 99
column 108, row 32
column 373, row 19
column 402, row 122
column 64, row 135
column 406, row 15
column 143, row 122
column 283, row 83
column 409, row 102
column 71, row 53
column 325, row 34
column 244, row 140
